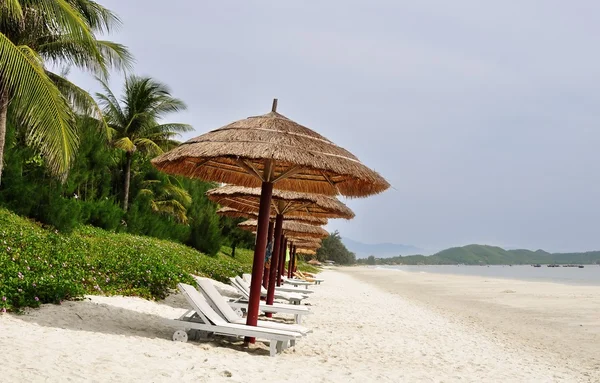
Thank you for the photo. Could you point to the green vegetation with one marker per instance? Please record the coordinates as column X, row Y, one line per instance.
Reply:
column 333, row 249
column 39, row 265
column 488, row 255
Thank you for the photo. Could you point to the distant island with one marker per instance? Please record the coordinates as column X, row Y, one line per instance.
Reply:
column 486, row 255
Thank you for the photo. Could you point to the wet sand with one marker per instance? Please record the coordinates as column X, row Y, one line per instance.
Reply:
column 556, row 319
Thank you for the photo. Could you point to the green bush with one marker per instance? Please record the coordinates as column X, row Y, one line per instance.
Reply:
column 105, row 214
column 38, row 265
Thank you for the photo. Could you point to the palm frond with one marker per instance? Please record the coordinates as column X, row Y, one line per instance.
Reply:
column 96, row 57
column 81, row 100
column 117, row 55
column 10, row 10
column 148, row 146
column 174, row 128
column 99, row 18
column 39, row 105
column 178, row 193
column 65, row 17
column 124, row 144
column 172, row 208
column 112, row 108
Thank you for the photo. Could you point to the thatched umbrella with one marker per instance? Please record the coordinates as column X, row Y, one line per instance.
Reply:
column 292, row 205
column 284, row 204
column 291, row 229
column 264, row 151
column 234, row 213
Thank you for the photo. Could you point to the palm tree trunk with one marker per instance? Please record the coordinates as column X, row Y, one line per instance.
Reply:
column 129, row 157
column 3, row 113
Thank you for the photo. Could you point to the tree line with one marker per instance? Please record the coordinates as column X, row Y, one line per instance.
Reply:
column 68, row 157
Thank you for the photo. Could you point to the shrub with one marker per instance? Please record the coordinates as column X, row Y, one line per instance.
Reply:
column 38, row 265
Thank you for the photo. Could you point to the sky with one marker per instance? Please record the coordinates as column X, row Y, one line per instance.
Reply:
column 483, row 116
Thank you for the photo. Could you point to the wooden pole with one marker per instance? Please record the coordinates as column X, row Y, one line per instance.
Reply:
column 275, row 260
column 269, row 240
column 282, row 264
column 293, row 256
column 264, row 213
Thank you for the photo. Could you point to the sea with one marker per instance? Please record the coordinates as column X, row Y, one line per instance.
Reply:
column 589, row 275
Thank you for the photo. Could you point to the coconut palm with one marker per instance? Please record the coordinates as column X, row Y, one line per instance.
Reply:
column 34, row 34
column 168, row 197
column 135, row 121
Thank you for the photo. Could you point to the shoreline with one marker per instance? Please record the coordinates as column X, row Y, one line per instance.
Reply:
column 560, row 318
column 543, row 279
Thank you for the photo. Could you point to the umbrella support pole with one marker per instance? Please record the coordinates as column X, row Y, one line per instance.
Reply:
column 265, row 280
column 258, row 264
column 282, row 263
column 289, row 270
column 275, row 260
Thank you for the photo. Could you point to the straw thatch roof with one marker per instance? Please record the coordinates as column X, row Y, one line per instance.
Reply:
column 291, row 228
column 234, row 213
column 307, row 252
column 291, row 204
column 272, row 148
column 307, row 245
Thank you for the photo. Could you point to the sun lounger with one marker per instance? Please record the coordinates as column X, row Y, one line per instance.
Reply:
column 297, row 282
column 247, row 278
column 203, row 318
column 242, row 304
column 307, row 278
column 219, row 304
column 293, row 298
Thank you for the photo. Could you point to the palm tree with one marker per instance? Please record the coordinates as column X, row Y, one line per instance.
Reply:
column 168, row 197
column 34, row 33
column 134, row 122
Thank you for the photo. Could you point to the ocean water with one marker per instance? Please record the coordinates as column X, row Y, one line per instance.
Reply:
column 589, row 275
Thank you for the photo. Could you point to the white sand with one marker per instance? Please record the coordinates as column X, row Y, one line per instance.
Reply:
column 361, row 333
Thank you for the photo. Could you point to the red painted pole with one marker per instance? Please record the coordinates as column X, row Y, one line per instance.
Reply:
column 282, row 263
column 293, row 256
column 289, row 273
column 265, row 280
column 264, row 212
column 275, row 260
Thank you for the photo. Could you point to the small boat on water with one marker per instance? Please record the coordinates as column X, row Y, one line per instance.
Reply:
column 581, row 266
column 537, row 265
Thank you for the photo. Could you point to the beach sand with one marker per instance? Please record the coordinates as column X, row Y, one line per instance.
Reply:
column 367, row 327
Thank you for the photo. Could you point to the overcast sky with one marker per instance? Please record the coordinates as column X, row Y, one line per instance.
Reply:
column 483, row 115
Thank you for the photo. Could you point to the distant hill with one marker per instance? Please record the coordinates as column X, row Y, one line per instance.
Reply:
column 493, row 255
column 379, row 250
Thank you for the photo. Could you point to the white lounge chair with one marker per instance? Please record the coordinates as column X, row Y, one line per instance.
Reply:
column 284, row 289
column 307, row 278
column 219, row 304
column 203, row 318
column 242, row 304
column 297, row 282
column 293, row 298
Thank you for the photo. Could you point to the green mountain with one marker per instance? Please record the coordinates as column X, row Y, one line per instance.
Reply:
column 489, row 255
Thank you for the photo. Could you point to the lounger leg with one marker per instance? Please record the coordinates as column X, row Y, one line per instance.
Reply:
column 273, row 347
column 279, row 346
